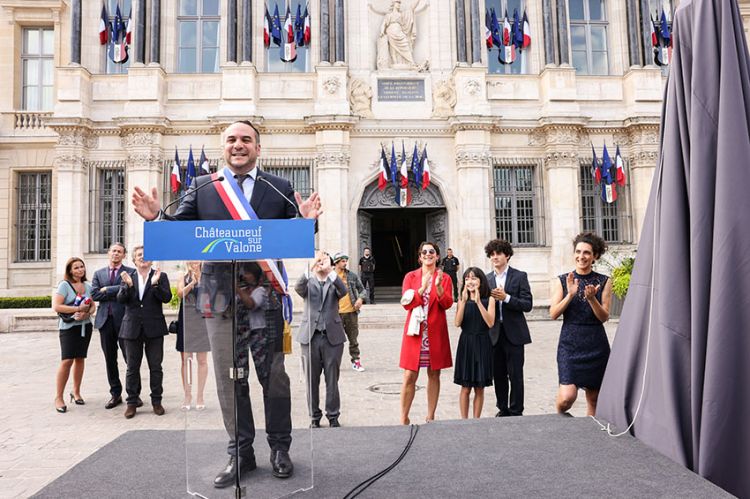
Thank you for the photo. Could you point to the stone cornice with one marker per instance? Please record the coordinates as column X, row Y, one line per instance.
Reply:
column 461, row 123
column 401, row 131
column 331, row 122
column 131, row 125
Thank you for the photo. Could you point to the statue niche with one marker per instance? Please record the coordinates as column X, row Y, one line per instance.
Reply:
column 397, row 34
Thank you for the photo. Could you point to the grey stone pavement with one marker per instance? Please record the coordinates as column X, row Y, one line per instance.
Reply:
column 37, row 444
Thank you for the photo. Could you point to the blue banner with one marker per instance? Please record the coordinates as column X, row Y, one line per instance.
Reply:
column 229, row 239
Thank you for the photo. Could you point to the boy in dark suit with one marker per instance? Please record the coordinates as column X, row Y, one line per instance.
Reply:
column 511, row 290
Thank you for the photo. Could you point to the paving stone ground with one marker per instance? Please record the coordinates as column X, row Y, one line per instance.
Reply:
column 37, row 444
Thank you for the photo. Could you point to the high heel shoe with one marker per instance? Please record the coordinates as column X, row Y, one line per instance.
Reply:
column 62, row 409
column 77, row 401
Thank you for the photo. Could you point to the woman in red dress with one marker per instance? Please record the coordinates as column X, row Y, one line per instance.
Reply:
column 426, row 292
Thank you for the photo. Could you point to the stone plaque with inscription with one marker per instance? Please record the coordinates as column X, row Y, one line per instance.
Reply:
column 400, row 90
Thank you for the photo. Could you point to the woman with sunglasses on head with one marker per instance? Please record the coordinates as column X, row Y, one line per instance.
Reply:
column 582, row 297
column 426, row 294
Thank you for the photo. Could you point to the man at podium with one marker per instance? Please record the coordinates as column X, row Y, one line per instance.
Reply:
column 240, row 191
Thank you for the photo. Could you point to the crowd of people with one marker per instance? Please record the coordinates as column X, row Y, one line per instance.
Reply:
column 235, row 313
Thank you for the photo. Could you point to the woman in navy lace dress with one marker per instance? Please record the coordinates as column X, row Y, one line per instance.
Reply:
column 582, row 297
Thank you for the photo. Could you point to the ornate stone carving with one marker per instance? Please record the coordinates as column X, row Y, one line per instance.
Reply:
column 561, row 159
column 76, row 137
column 375, row 198
column 443, row 98
column 332, row 158
column 537, row 138
column 398, row 31
column 331, row 85
column 465, row 158
column 70, row 161
column 144, row 158
column 360, row 98
column 136, row 139
column 645, row 158
column 563, row 135
column 472, row 87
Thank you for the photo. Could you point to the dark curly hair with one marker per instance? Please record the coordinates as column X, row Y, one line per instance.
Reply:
column 422, row 245
column 598, row 245
column 498, row 246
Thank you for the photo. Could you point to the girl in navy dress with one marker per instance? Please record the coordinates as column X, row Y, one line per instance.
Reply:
column 475, row 315
column 582, row 297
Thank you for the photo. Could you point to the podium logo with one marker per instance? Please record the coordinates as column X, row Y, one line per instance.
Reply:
column 233, row 246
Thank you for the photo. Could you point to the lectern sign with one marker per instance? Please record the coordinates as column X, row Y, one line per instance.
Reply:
column 229, row 239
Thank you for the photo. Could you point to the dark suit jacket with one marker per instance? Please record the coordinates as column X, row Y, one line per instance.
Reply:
column 317, row 302
column 147, row 313
column 206, row 204
column 101, row 280
column 514, row 322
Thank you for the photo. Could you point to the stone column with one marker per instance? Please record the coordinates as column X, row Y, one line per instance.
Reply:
column 325, row 48
column 476, row 32
column 633, row 50
column 549, row 32
column 640, row 167
column 562, row 31
column 70, row 184
column 140, row 32
column 340, row 30
column 231, row 30
column 473, row 220
column 155, row 23
column 247, row 31
column 75, row 32
column 461, row 31
column 142, row 144
column 333, row 150
column 561, row 164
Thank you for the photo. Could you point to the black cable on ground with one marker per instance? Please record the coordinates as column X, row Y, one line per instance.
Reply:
column 362, row 486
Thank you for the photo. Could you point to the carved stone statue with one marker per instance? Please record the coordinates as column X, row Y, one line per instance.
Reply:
column 360, row 97
column 443, row 98
column 398, row 31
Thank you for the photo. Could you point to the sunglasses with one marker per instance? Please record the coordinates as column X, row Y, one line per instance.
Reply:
column 429, row 252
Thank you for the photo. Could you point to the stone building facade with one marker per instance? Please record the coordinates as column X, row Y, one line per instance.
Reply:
column 509, row 147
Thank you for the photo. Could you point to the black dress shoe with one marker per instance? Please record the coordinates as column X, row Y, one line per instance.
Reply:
column 334, row 423
column 281, row 463
column 226, row 477
column 315, row 423
column 113, row 402
column 139, row 402
column 502, row 414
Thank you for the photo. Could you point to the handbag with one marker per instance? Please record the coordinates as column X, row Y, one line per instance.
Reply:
column 67, row 317
column 173, row 327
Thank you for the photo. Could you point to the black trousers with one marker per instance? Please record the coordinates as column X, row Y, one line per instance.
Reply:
column 265, row 347
column 109, row 341
column 154, row 348
column 454, row 280
column 508, row 362
column 368, row 281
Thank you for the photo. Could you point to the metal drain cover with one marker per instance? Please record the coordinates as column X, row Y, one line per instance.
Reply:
column 388, row 388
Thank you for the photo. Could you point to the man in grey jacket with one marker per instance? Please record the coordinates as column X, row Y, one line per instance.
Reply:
column 321, row 336
column 349, row 306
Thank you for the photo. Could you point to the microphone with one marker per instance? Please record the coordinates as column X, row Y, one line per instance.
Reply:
column 220, row 178
column 268, row 183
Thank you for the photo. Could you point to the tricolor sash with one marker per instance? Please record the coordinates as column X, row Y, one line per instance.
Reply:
column 239, row 208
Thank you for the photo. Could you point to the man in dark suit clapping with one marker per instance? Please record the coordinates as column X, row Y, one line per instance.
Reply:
column 105, row 285
column 143, row 293
column 511, row 290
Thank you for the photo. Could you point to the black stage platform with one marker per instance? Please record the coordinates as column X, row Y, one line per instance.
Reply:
column 530, row 456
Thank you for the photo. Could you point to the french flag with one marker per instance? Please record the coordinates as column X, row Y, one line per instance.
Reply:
column 306, row 28
column 404, row 167
column 103, row 31
column 129, row 28
column 203, row 162
column 620, row 166
column 289, row 45
column 506, row 30
column 174, row 178
column 267, row 22
column 654, row 38
column 424, row 167
column 595, row 167
column 526, row 31
column 383, row 175
column 609, row 193
column 488, row 28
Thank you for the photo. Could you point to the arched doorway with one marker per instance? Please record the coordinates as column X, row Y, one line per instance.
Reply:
column 394, row 232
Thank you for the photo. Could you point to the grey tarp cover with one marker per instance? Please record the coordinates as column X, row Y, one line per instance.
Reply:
column 694, row 258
